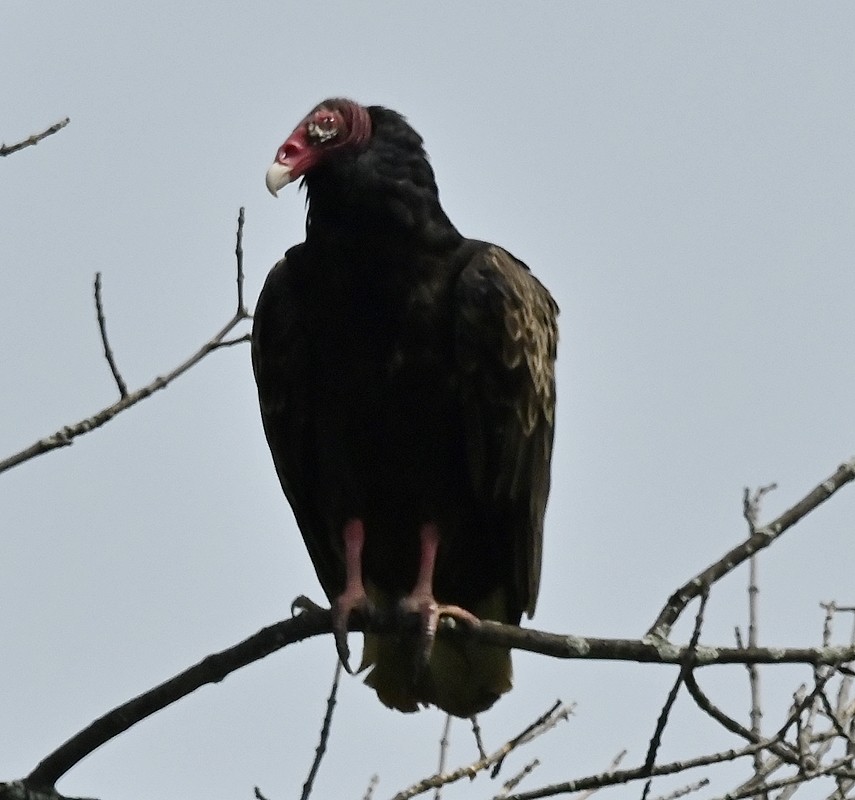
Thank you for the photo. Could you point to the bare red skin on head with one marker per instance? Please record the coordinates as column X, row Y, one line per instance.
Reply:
column 333, row 124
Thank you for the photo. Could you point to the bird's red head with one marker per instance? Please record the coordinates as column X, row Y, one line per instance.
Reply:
column 330, row 126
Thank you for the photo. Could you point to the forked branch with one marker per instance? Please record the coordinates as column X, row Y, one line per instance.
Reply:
column 761, row 538
column 67, row 434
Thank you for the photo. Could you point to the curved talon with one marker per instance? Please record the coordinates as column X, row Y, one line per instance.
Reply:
column 302, row 603
column 345, row 604
column 430, row 612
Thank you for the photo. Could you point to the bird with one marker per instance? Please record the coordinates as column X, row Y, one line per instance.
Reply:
column 406, row 380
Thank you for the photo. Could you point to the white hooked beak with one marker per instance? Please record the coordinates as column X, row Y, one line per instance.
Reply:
column 278, row 175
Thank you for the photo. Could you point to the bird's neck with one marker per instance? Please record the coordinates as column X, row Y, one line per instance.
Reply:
column 385, row 196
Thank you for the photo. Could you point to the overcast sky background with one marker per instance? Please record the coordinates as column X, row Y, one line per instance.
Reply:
column 681, row 176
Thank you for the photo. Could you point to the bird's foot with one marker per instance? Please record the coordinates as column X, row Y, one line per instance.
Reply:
column 430, row 612
column 343, row 606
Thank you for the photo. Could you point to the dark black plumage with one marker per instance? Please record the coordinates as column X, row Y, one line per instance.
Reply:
column 406, row 382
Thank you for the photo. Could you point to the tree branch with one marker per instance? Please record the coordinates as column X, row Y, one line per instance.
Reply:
column 616, row 777
column 108, row 351
column 325, row 734
column 8, row 149
column 762, row 538
column 66, row 435
column 685, row 671
column 308, row 624
column 314, row 621
column 541, row 725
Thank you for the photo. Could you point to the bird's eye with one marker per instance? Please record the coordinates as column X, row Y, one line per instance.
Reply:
column 322, row 128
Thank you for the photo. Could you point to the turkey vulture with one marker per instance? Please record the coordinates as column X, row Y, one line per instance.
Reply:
column 406, row 382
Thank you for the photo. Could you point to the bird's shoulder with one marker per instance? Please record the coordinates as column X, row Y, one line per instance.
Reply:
column 503, row 313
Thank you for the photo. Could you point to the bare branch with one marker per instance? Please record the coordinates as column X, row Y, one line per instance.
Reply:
column 315, row 622
column 751, row 512
column 108, row 351
column 692, row 787
column 8, row 149
column 544, row 723
column 18, row 790
column 645, row 650
column 762, row 538
column 242, row 311
column 706, row 705
column 211, row 669
column 325, row 732
column 515, row 781
column 685, row 670
column 617, row 777
column 372, row 785
column 66, row 435
column 443, row 753
column 614, row 765
column 247, row 337
column 556, row 713
column 799, row 778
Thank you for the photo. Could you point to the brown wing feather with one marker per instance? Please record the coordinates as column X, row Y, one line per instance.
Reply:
column 506, row 340
column 280, row 361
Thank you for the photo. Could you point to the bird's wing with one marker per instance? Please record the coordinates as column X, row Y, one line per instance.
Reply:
column 280, row 362
column 506, row 339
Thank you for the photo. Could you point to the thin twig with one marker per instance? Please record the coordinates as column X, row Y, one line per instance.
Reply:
column 682, row 792
column 556, row 713
column 372, row 785
column 247, row 337
column 751, row 511
column 763, row 537
column 443, row 753
column 544, row 723
column 8, row 149
column 685, row 669
column 708, row 707
column 325, row 734
column 515, row 781
column 66, row 435
column 241, row 307
column 616, row 761
column 798, row 778
column 476, row 732
column 108, row 351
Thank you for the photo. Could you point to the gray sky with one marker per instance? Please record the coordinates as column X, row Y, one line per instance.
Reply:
column 680, row 175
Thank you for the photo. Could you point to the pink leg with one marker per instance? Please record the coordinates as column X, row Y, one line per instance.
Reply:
column 353, row 598
column 421, row 600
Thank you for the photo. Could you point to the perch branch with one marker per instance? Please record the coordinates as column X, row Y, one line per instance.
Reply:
column 8, row 149
column 316, row 621
column 217, row 666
